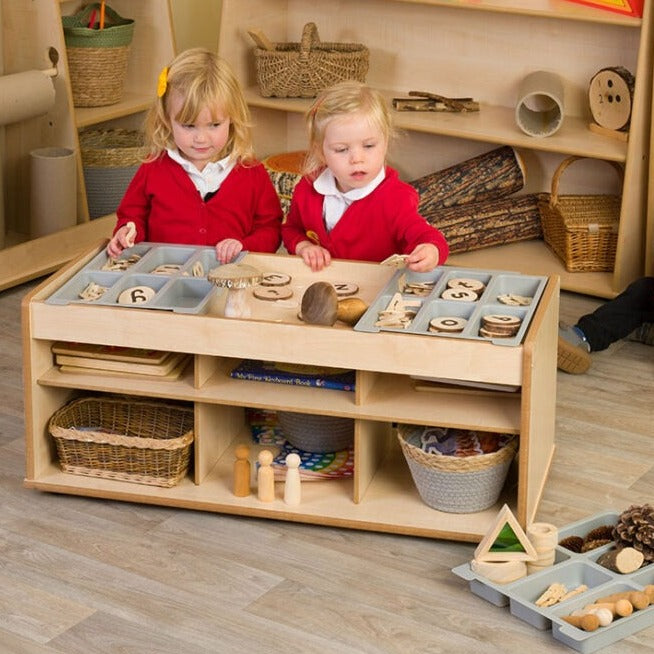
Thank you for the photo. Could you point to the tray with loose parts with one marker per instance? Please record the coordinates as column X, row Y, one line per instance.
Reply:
column 148, row 275
column 574, row 571
column 456, row 303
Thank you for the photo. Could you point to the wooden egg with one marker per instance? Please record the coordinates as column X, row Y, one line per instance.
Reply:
column 350, row 309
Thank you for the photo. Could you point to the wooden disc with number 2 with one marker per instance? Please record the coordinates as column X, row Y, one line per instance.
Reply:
column 610, row 94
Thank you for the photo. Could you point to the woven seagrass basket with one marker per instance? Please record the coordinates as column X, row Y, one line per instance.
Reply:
column 97, row 58
column 457, row 484
column 110, row 159
column 316, row 433
column 145, row 442
column 302, row 70
column 581, row 229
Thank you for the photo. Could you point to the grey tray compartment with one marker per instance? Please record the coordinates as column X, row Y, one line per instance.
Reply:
column 100, row 259
column 70, row 291
column 571, row 574
column 571, row 569
column 207, row 259
column 165, row 254
column 184, row 295
column 432, row 305
column 591, row 641
column 127, row 280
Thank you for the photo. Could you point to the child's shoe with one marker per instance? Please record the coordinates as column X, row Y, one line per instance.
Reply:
column 644, row 334
column 573, row 353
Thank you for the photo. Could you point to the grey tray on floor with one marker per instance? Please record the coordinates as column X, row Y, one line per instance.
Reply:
column 571, row 569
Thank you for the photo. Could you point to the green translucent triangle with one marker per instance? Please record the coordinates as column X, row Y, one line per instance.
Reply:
column 506, row 541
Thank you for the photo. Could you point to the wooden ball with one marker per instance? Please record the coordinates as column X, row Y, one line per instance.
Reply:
column 320, row 304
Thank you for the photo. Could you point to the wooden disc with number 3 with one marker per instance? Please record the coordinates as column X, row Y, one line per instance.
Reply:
column 610, row 95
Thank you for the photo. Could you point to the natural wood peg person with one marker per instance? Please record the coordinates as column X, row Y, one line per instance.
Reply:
column 242, row 471
column 265, row 477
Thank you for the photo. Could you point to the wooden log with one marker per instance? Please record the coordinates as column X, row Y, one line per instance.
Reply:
column 624, row 560
column 489, row 223
column 488, row 176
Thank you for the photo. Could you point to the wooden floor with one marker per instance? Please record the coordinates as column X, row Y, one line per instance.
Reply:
column 83, row 576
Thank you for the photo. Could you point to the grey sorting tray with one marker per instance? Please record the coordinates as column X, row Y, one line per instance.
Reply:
column 496, row 283
column 572, row 570
column 184, row 288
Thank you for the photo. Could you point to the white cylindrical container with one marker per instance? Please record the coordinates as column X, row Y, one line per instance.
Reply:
column 540, row 108
column 53, row 190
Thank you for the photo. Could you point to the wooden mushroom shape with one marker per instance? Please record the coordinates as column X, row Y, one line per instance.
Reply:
column 237, row 278
column 321, row 306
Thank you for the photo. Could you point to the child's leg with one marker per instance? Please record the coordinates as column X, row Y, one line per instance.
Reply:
column 619, row 317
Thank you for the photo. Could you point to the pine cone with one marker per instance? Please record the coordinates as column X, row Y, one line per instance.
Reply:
column 635, row 528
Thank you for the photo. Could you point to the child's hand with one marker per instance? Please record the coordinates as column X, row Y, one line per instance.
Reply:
column 423, row 259
column 228, row 249
column 123, row 238
column 313, row 255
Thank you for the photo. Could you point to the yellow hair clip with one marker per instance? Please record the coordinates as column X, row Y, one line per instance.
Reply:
column 162, row 83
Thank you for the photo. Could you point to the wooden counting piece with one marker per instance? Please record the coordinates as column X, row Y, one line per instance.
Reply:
column 447, row 324
column 460, row 294
column 465, row 282
column 197, row 270
column 272, row 293
column 344, row 289
column 136, row 295
column 130, row 234
column 166, row 269
column 275, row 279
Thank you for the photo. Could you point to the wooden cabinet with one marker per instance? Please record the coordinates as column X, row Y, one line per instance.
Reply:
column 381, row 496
column 481, row 49
column 29, row 29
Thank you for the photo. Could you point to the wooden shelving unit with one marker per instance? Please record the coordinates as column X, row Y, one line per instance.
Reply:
column 381, row 496
column 484, row 50
column 29, row 29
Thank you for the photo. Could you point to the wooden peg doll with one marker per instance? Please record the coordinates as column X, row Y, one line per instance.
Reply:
column 265, row 477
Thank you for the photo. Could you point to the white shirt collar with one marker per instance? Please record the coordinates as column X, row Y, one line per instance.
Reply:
column 211, row 177
column 336, row 202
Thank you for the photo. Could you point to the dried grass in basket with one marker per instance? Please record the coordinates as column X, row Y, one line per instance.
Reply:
column 457, row 484
column 145, row 442
column 302, row 70
column 581, row 229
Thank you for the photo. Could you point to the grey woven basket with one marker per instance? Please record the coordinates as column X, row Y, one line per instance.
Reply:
column 457, row 484
column 316, row 433
column 110, row 159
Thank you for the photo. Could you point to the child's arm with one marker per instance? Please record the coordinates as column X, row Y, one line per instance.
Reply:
column 315, row 256
column 123, row 238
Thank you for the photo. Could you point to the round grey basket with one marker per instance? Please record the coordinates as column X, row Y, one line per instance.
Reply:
column 316, row 433
column 110, row 159
column 457, row 484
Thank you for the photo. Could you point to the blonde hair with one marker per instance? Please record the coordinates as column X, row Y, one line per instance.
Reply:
column 204, row 80
column 341, row 99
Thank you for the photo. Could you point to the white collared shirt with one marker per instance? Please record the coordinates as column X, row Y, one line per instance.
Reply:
column 336, row 202
column 210, row 178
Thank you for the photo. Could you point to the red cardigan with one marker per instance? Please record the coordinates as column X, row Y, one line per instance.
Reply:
column 383, row 223
column 167, row 208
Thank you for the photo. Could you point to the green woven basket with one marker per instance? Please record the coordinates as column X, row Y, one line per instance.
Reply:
column 97, row 58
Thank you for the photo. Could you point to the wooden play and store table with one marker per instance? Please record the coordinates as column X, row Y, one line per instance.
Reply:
column 188, row 318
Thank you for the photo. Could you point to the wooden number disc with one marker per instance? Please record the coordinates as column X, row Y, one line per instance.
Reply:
column 610, row 94
column 272, row 292
column 136, row 295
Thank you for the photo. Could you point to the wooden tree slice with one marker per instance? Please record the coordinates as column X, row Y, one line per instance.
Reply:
column 625, row 560
column 610, row 95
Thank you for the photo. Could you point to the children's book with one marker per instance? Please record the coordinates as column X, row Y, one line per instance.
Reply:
column 297, row 375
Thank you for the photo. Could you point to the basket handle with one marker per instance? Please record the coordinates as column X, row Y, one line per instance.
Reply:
column 310, row 39
column 564, row 164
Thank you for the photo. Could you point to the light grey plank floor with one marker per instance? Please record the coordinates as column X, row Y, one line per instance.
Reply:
column 79, row 575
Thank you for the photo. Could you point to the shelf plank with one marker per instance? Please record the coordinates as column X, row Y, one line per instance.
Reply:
column 491, row 124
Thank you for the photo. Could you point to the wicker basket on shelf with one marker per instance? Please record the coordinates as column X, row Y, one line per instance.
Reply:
column 302, row 70
column 581, row 229
column 146, row 442
column 110, row 159
column 97, row 58
column 456, row 484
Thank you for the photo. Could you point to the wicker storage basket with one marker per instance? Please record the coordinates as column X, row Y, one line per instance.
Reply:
column 110, row 159
column 581, row 229
column 145, row 442
column 302, row 70
column 97, row 58
column 457, row 484
column 316, row 433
